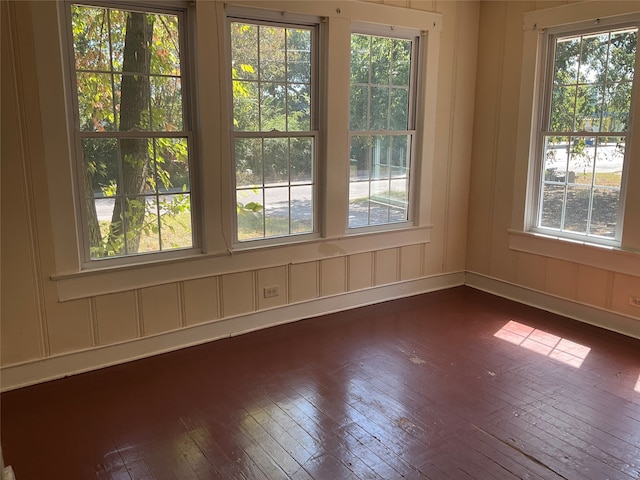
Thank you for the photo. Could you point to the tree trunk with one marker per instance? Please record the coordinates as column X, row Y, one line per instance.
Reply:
column 128, row 214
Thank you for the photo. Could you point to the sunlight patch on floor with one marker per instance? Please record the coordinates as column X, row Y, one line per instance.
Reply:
column 544, row 343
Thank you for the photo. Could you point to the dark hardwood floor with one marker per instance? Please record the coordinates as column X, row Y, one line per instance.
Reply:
column 456, row 384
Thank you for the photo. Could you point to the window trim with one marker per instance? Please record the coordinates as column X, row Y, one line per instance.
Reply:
column 413, row 130
column 535, row 24
column 259, row 16
column 185, row 22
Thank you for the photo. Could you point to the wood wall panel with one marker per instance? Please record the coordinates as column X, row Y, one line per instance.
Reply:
column 69, row 326
column 360, row 271
column 272, row 277
column 160, row 309
column 386, row 266
column 592, row 286
column 625, row 286
column 333, row 276
column 237, row 294
column 201, row 300
column 561, row 278
column 117, row 317
column 531, row 271
column 410, row 262
column 303, row 281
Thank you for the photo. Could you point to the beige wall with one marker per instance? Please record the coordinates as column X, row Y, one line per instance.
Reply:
column 594, row 277
column 43, row 337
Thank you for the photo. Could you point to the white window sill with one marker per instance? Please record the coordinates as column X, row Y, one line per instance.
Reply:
column 112, row 279
column 609, row 258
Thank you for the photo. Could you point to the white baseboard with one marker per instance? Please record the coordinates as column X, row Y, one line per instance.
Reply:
column 578, row 311
column 50, row 368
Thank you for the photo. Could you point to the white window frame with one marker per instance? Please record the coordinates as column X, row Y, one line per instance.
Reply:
column 412, row 130
column 288, row 20
column 181, row 10
column 620, row 258
column 550, row 36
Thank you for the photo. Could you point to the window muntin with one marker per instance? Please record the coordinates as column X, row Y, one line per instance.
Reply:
column 274, row 128
column 132, row 134
column 381, row 124
column 585, row 132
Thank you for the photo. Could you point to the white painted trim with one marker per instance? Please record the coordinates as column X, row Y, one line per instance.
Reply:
column 41, row 370
column 599, row 256
column 616, row 322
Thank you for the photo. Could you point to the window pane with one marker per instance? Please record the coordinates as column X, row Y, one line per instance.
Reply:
column 90, row 38
column 577, row 209
column 172, row 165
column 400, row 156
column 244, row 51
column 379, row 108
column 581, row 160
column 118, row 23
column 301, row 155
column 618, row 101
column 302, row 209
column 248, row 157
column 358, row 204
column 622, row 56
column 272, row 53
column 250, row 208
column 273, row 110
column 175, row 221
column 401, row 63
column 246, row 106
column 381, row 49
column 563, row 104
column 566, row 61
column 589, row 108
column 552, row 201
column 166, row 103
column 299, row 108
column 276, row 161
column 95, row 102
column 298, row 55
column 276, row 210
column 609, row 161
column 360, row 57
column 593, row 58
column 358, row 108
column 164, row 47
column 100, row 167
column 604, row 216
column 399, row 109
column 556, row 155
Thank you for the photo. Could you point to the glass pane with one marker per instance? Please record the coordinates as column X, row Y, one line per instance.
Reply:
column 618, row 98
column 566, row 61
column 552, row 200
column 589, row 108
column 175, row 221
column 379, row 108
column 563, row 104
column 604, row 214
column 400, row 156
column 248, row 157
column 302, row 209
column 399, row 109
column 358, row 204
column 101, row 243
column 166, row 103
column 381, row 156
column 244, row 51
column 581, row 160
column 360, row 56
column 381, row 48
column 136, row 154
column 273, row 111
column 301, row 157
column 360, row 157
column 100, row 167
column 272, row 55
column 378, row 213
column 593, row 58
column 609, row 161
column 165, row 51
column 245, row 106
column 172, row 165
column 118, row 20
column 577, row 209
column 95, row 102
column 90, row 38
column 250, row 214
column 299, row 108
column 622, row 55
column 298, row 55
column 134, row 94
column 141, row 227
column 556, row 157
column 276, row 210
column 398, row 214
column 276, row 160
column 401, row 62
column 359, row 103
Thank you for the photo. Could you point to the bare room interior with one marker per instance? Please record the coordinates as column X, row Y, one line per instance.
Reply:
column 323, row 239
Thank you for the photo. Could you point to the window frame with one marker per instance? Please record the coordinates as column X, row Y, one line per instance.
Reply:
column 188, row 131
column 413, row 130
column 542, row 124
column 257, row 16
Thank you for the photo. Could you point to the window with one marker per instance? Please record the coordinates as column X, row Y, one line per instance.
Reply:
column 585, row 132
column 274, row 131
column 382, row 131
column 132, row 133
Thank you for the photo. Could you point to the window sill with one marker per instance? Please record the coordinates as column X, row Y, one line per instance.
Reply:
column 610, row 258
column 113, row 279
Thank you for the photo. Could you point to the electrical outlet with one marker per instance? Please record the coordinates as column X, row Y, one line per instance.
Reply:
column 634, row 301
column 270, row 292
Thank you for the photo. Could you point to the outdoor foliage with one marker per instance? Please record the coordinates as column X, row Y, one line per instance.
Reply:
column 135, row 151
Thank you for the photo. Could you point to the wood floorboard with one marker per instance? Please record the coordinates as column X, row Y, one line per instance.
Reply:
column 457, row 384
